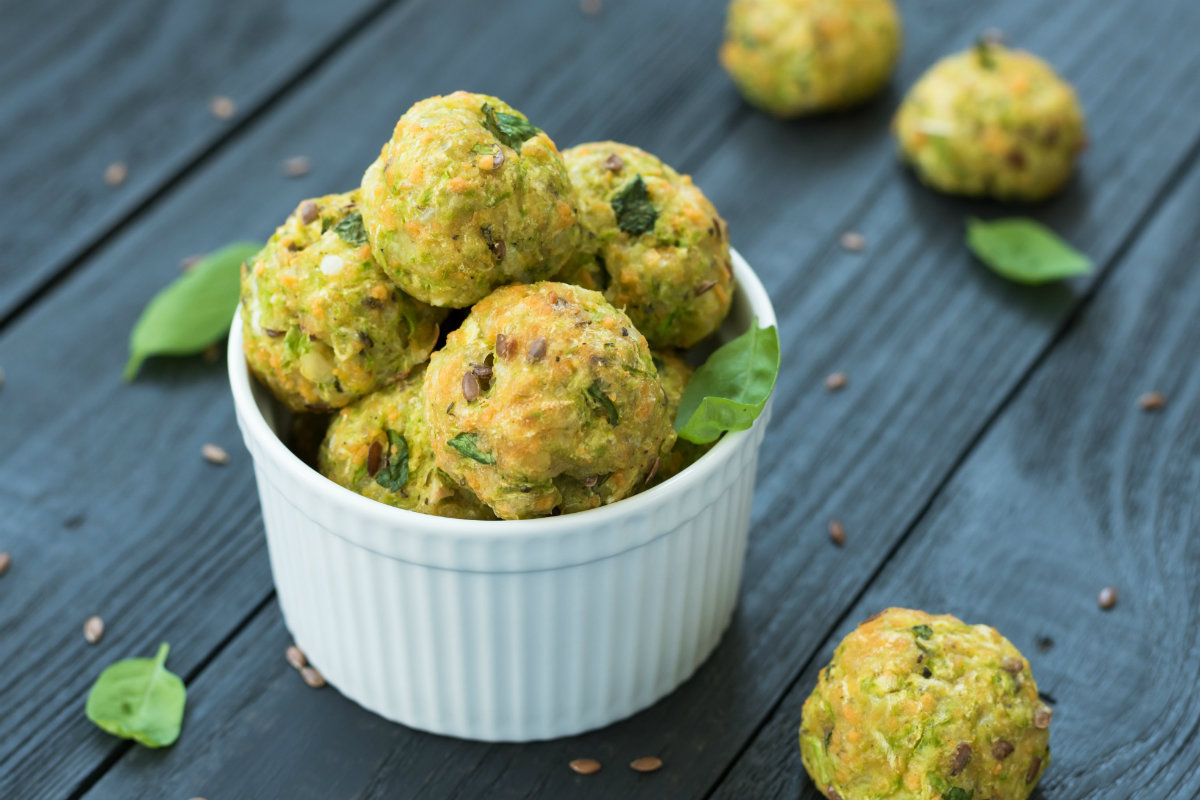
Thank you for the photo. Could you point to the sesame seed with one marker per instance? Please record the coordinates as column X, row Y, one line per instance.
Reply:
column 853, row 241
column 116, row 173
column 585, row 766
column 837, row 533
column 222, row 107
column 1152, row 401
column 93, row 629
column 836, row 381
column 295, row 166
column 1107, row 598
column 646, row 764
column 214, row 454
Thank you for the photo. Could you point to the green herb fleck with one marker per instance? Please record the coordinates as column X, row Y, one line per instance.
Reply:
column 1024, row 251
column 922, row 631
column 635, row 213
column 466, row 444
column 394, row 474
column 597, row 397
column 731, row 388
column 193, row 312
column 139, row 699
column 983, row 49
column 295, row 343
column 955, row 793
column 351, row 230
column 510, row 129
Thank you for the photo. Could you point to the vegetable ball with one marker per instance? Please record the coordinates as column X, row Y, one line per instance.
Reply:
column 925, row 707
column 322, row 325
column 467, row 196
column 795, row 57
column 379, row 447
column 546, row 401
column 992, row 122
column 653, row 241
column 675, row 374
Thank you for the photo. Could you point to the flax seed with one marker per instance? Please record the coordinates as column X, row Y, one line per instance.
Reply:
column 116, row 173
column 5, row 562
column 214, row 454
column 1041, row 717
column 646, row 764
column 1002, row 749
column 614, row 163
column 312, row 677
column 537, row 348
column 837, row 532
column 93, row 629
column 375, row 458
column 962, row 755
column 296, row 166
column 222, row 107
column 295, row 657
column 308, row 211
column 836, row 381
column 1107, row 598
column 470, row 386
column 585, row 766
column 853, row 241
column 1012, row 664
column 1152, row 401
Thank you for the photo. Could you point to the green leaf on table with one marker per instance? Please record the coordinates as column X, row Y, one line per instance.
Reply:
column 351, row 230
column 1024, row 251
column 510, row 129
column 139, row 699
column 192, row 312
column 467, row 445
column 731, row 388
column 394, row 474
column 635, row 213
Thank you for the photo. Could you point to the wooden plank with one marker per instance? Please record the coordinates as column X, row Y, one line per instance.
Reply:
column 1075, row 488
column 108, row 507
column 89, row 84
column 932, row 344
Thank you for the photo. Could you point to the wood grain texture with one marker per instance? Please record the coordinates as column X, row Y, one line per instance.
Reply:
column 109, row 508
column 1074, row 489
column 932, row 344
column 89, row 84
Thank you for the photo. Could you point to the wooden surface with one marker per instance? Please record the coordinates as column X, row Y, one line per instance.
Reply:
column 987, row 457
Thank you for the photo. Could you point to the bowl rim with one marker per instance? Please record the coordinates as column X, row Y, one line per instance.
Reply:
column 411, row 523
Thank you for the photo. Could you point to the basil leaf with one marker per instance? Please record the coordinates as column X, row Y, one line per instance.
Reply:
column 510, row 129
column 394, row 474
column 983, row 49
column 351, row 230
column 139, row 699
column 731, row 388
column 466, row 445
column 922, row 631
column 635, row 213
column 1024, row 251
column 955, row 793
column 194, row 311
column 597, row 396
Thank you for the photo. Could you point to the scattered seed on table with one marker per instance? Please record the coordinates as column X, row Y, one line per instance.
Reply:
column 295, row 166
column 1044, row 643
column 585, row 766
column 837, row 532
column 854, row 241
column 222, row 107
column 93, row 629
column 591, row 6
column 1041, row 717
column 116, row 173
column 646, row 764
column 1107, row 598
column 1152, row 401
column 295, row 657
column 5, row 562
column 312, row 677
column 836, row 381
column 214, row 453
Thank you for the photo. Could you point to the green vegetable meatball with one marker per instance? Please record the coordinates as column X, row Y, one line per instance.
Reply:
column 546, row 401
column 675, row 374
column 922, row 707
column 322, row 325
column 992, row 122
column 655, row 243
column 379, row 447
column 467, row 196
column 795, row 57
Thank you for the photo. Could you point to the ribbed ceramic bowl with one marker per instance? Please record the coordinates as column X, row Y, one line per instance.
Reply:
column 509, row 630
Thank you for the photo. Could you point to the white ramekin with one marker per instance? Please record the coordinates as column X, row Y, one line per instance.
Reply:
column 511, row 630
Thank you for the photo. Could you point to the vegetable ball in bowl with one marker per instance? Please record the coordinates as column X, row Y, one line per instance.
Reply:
column 547, row 401
column 653, row 241
column 321, row 323
column 466, row 196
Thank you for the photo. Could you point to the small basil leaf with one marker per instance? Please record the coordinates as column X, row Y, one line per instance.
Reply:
column 922, row 631
column 510, row 129
column 597, row 396
column 983, row 49
column 635, row 213
column 466, row 444
column 351, row 230
column 731, row 388
column 1024, row 251
column 394, row 474
column 955, row 793
column 194, row 311
column 139, row 699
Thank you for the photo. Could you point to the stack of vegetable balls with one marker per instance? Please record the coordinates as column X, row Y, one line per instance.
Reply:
column 585, row 274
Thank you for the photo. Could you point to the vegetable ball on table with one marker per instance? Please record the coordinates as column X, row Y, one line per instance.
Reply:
column 547, row 401
column 467, row 196
column 322, row 324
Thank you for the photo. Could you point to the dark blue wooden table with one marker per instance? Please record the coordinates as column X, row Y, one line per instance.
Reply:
column 988, row 456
